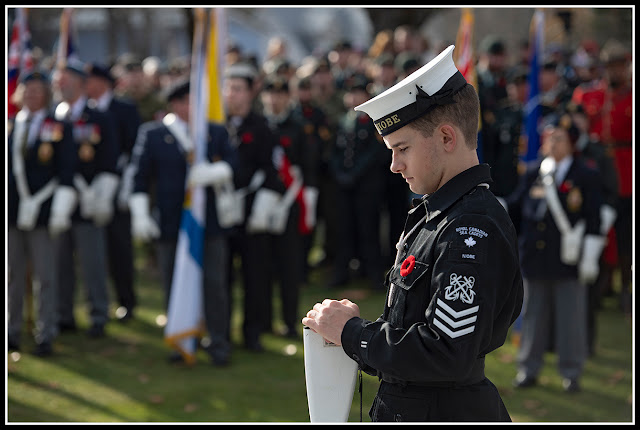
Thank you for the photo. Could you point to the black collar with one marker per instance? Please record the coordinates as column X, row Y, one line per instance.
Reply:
column 455, row 188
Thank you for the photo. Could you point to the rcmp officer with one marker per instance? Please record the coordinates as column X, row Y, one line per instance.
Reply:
column 163, row 156
column 294, row 165
column 448, row 303
column 118, row 232
column 355, row 165
column 40, row 204
column 96, row 182
column 255, row 142
column 558, row 200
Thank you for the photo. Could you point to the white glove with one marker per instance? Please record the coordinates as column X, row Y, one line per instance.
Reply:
column 28, row 211
column 206, row 173
column 263, row 208
column 87, row 202
column 607, row 218
column 104, row 186
column 62, row 207
column 310, row 197
column 571, row 243
column 589, row 267
column 143, row 227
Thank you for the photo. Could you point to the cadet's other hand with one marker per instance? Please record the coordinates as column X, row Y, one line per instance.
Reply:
column 329, row 318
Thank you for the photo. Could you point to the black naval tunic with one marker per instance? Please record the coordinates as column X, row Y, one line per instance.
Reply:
column 454, row 291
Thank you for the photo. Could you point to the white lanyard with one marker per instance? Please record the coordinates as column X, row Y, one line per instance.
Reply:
column 399, row 246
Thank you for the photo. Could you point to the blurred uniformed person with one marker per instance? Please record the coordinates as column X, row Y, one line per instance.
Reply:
column 163, row 156
column 504, row 154
column 294, row 164
column 255, row 142
column 119, row 245
column 595, row 156
column 41, row 199
column 96, row 181
column 608, row 103
column 317, row 137
column 449, row 303
column 558, row 200
column 492, row 91
column 356, row 160
column 133, row 84
column 330, row 99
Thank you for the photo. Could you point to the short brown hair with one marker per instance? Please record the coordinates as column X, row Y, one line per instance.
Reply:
column 464, row 113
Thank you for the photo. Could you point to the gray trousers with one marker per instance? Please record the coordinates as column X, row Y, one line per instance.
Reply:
column 34, row 247
column 567, row 299
column 84, row 243
column 214, row 289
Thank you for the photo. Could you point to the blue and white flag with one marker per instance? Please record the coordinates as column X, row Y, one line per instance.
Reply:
column 185, row 314
column 532, row 108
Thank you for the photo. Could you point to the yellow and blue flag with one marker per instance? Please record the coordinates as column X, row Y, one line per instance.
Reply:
column 185, row 313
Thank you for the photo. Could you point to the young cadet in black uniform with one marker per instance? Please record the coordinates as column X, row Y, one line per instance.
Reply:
column 456, row 285
column 355, row 165
column 317, row 137
column 249, row 133
column 293, row 164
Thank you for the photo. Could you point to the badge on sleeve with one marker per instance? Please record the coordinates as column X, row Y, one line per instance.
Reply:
column 454, row 314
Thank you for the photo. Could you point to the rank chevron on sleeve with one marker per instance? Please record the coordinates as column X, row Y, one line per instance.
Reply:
column 457, row 322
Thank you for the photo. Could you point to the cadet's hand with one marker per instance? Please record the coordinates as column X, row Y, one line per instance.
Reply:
column 329, row 318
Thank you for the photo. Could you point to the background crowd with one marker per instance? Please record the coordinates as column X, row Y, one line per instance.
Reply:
column 109, row 136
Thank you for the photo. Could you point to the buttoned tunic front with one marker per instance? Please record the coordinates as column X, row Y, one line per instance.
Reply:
column 452, row 295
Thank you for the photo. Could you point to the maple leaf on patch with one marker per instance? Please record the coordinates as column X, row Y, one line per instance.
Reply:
column 469, row 241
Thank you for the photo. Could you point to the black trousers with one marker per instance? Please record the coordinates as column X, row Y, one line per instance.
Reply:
column 120, row 258
column 479, row 402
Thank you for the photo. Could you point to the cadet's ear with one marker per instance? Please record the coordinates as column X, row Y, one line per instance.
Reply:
column 448, row 137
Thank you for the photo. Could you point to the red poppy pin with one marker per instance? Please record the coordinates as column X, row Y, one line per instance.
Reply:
column 285, row 141
column 407, row 266
column 247, row 138
column 565, row 187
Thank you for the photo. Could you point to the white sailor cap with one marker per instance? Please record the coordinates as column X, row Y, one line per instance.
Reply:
column 431, row 85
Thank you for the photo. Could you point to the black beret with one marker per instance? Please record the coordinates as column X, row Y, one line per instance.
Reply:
column 358, row 82
column 178, row 90
column 492, row 45
column 276, row 83
column 100, row 71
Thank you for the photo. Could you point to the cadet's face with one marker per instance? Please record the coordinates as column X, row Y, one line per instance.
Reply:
column 237, row 95
column 416, row 158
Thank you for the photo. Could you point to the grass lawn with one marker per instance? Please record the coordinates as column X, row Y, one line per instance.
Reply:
column 125, row 377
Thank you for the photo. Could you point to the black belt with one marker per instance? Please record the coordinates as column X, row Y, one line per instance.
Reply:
column 476, row 375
